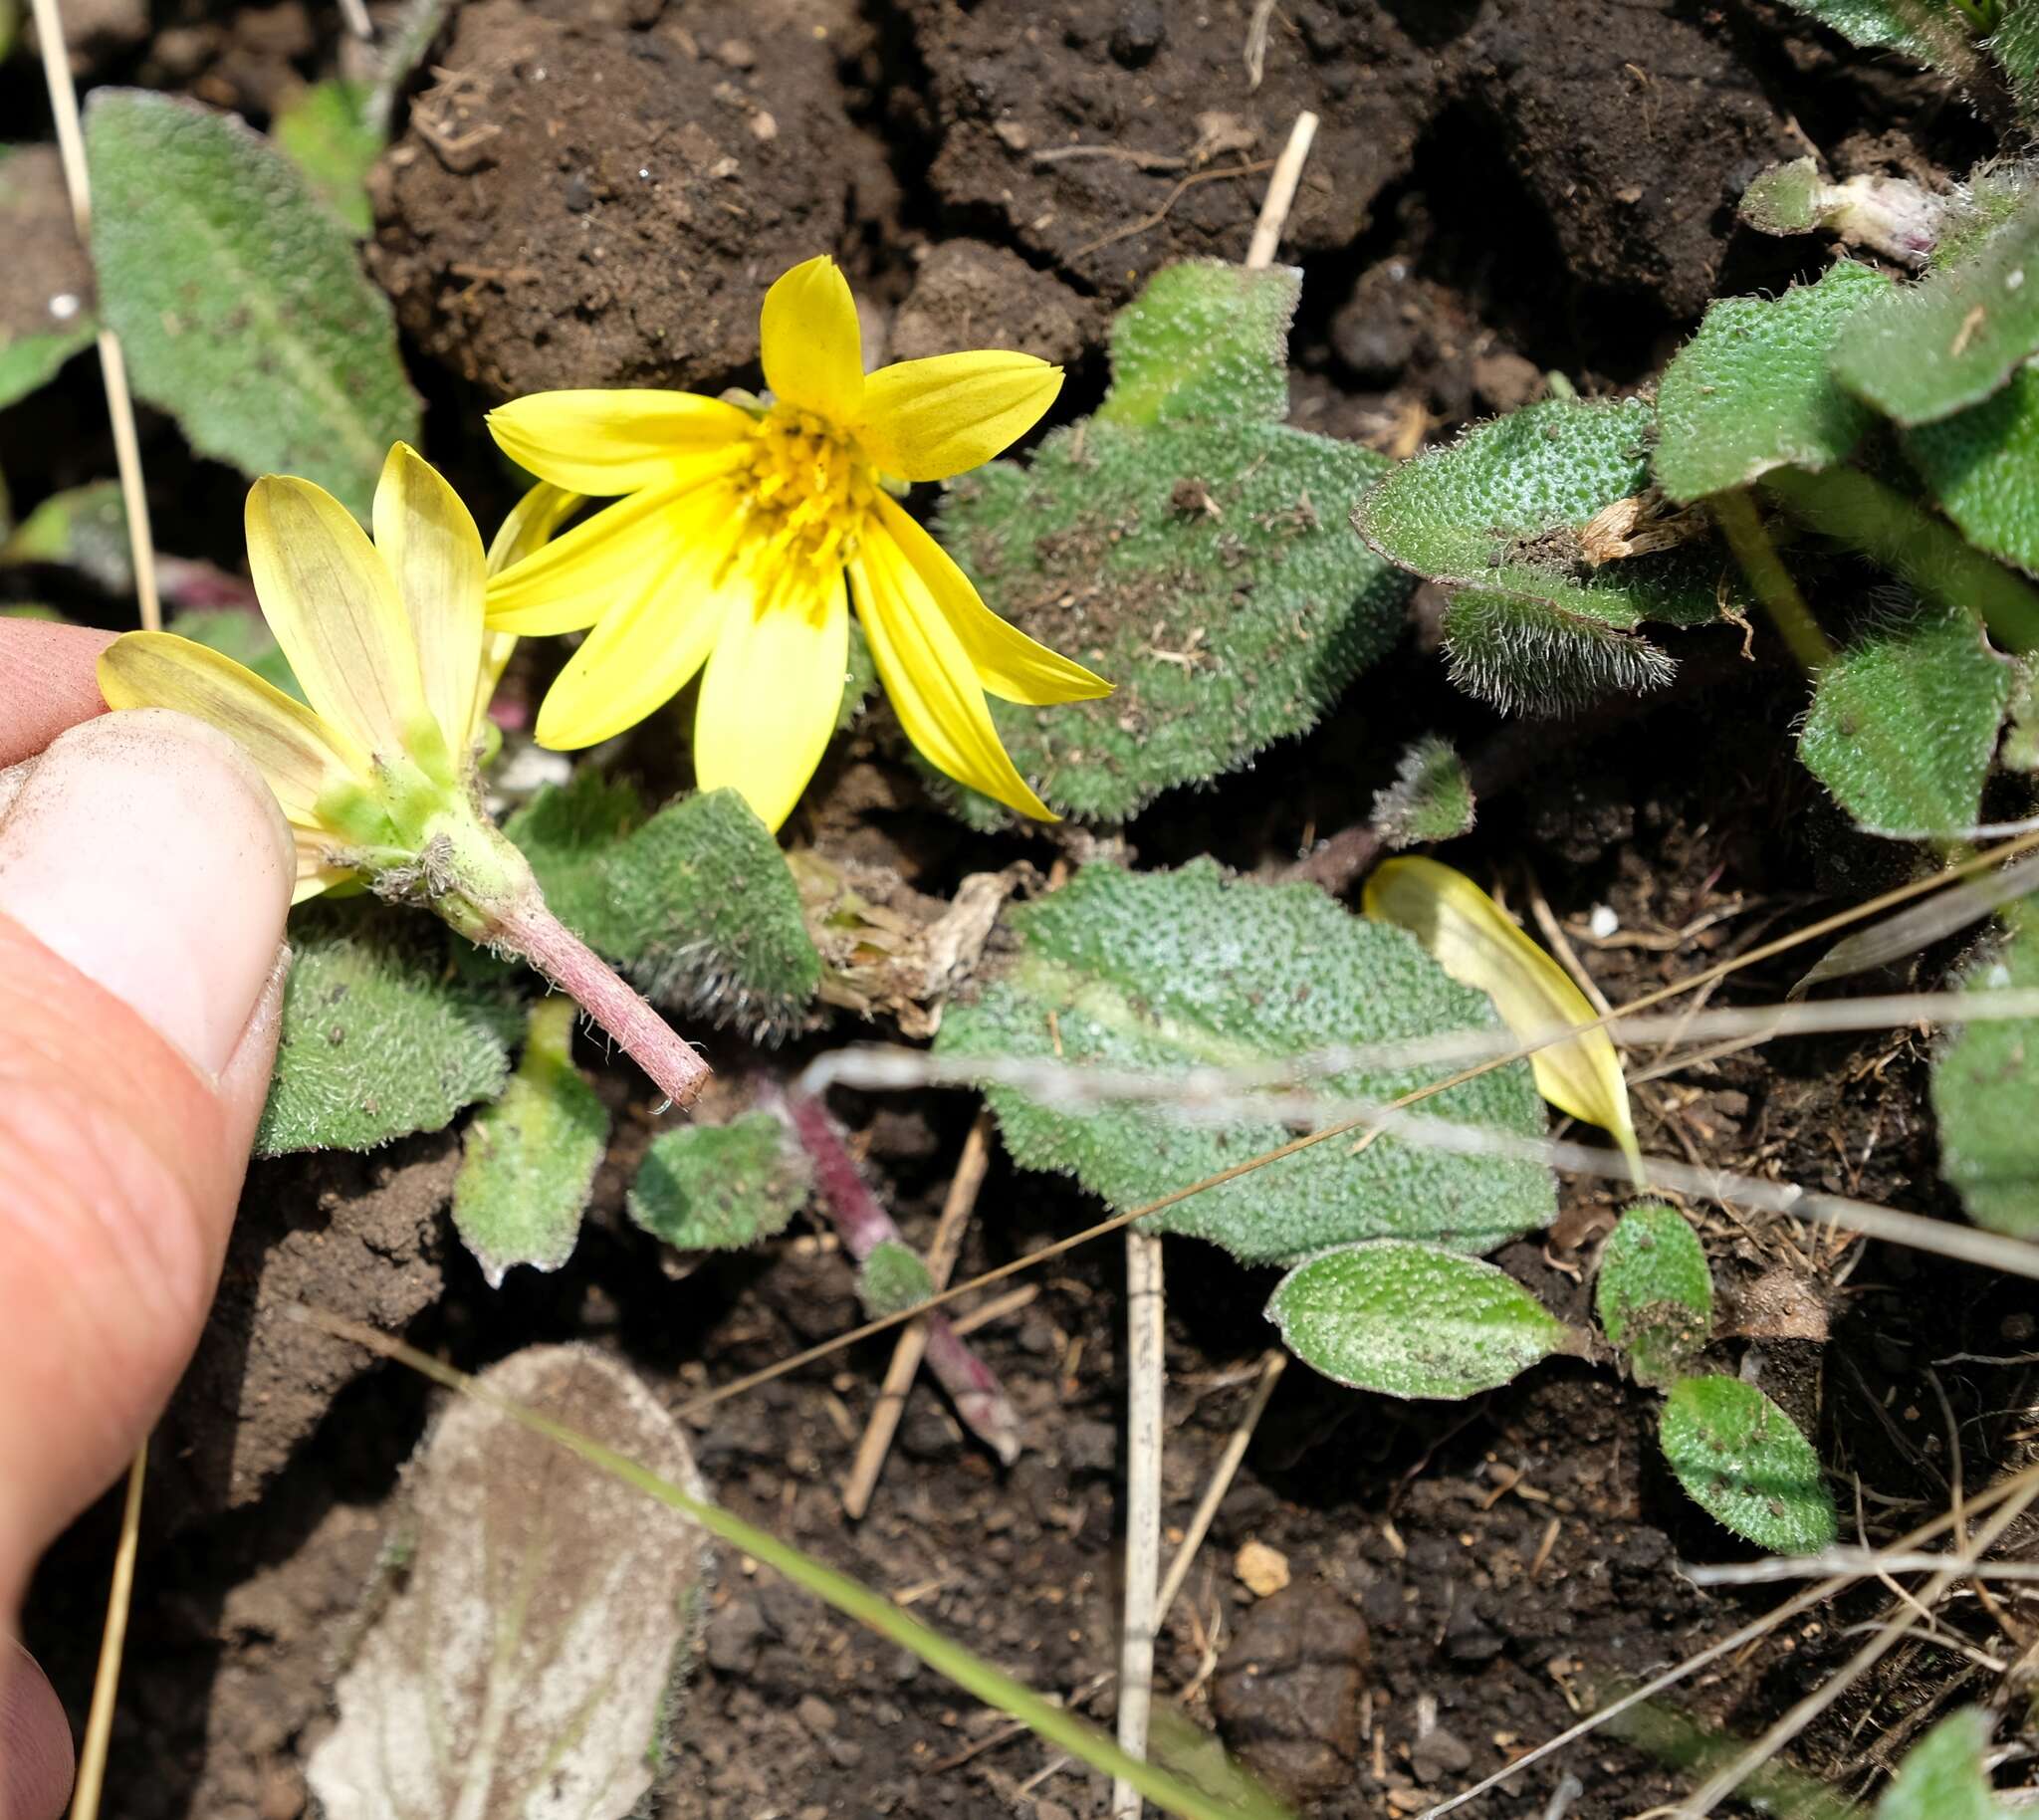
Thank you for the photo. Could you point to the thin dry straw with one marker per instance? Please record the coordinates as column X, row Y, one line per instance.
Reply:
column 98, row 1724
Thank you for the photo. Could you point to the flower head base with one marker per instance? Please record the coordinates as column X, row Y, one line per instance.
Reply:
column 734, row 535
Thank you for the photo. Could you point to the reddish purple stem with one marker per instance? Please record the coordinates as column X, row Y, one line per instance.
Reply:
column 863, row 1225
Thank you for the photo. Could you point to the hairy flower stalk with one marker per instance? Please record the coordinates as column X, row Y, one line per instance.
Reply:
column 379, row 775
column 863, row 1225
column 742, row 530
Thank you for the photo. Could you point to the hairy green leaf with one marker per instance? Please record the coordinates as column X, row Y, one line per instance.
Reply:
column 382, row 1033
column 1431, row 799
column 1184, row 543
column 1752, row 392
column 1654, row 1296
column 46, row 316
column 1412, row 1320
column 1935, row 32
column 1742, row 1460
column 2015, row 46
column 1981, row 465
column 238, row 299
column 324, row 130
column 527, row 1663
column 1942, row 1777
column 1903, row 723
column 1984, row 1085
column 1929, row 350
column 719, row 1188
column 82, row 527
column 1495, row 520
column 1168, row 971
column 892, row 1279
column 694, row 903
column 531, row 1156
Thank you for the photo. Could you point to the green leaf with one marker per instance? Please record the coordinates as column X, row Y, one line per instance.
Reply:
column 1980, row 464
column 719, row 1188
column 238, row 299
column 1932, row 31
column 892, row 1279
column 1412, row 1320
column 1784, row 199
column 1431, row 799
column 380, row 1034
column 1165, row 971
column 526, row 1660
column 324, row 130
column 532, row 1155
column 1742, row 1460
column 1929, row 350
column 1654, row 1297
column 1752, row 392
column 696, row 903
column 1942, row 1777
column 46, row 316
column 2015, row 46
column 1983, row 1096
column 1903, row 723
column 1184, row 543
column 246, row 638
column 82, row 527
column 1494, row 519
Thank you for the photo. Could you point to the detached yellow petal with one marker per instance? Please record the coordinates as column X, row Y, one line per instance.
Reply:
column 807, row 328
column 605, row 563
column 1468, row 934
column 333, row 607
column 1009, row 665
column 929, row 419
column 929, row 676
column 428, row 539
column 294, row 750
column 771, row 694
column 643, row 652
column 608, row 442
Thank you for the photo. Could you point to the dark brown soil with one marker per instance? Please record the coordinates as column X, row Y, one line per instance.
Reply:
column 594, row 195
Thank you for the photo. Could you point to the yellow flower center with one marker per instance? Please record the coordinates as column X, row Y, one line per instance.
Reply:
column 806, row 487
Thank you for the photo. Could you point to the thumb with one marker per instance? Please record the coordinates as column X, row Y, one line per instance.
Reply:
column 144, row 873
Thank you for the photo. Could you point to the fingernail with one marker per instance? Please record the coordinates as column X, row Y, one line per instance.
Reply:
column 35, row 1740
column 146, row 850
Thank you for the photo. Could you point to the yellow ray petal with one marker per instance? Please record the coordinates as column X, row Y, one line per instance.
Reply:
column 929, row 419
column 643, row 652
column 608, row 442
column 770, row 693
column 929, row 676
column 1009, row 665
column 428, row 539
column 807, row 328
column 299, row 757
column 603, row 563
column 1470, row 938
column 524, row 528
column 333, row 604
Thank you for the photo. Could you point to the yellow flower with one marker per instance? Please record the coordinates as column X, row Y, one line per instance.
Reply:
column 387, row 642
column 733, row 535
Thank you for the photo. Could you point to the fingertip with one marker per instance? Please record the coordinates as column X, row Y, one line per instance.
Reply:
column 35, row 1740
column 49, row 680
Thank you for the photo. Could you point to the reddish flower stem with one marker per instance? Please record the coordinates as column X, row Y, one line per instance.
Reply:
column 532, row 932
column 863, row 1225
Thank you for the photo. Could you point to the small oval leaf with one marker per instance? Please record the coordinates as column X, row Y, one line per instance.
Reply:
column 719, row 1188
column 1412, row 1320
column 1942, row 1779
column 1744, row 1461
column 1654, row 1296
column 1468, row 934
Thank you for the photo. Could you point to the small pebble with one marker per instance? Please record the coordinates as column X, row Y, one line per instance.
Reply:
column 1264, row 1571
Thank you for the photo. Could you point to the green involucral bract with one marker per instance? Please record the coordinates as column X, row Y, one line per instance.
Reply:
column 1169, row 971
column 719, row 1188
column 694, row 902
column 1930, row 349
column 238, row 296
column 1413, row 1320
column 1494, row 519
column 531, row 1156
column 1752, row 392
column 1655, row 1295
column 388, row 1029
column 1742, row 1460
column 1187, row 544
column 1903, row 723
column 1431, row 799
column 1941, row 1777
column 1982, row 1098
